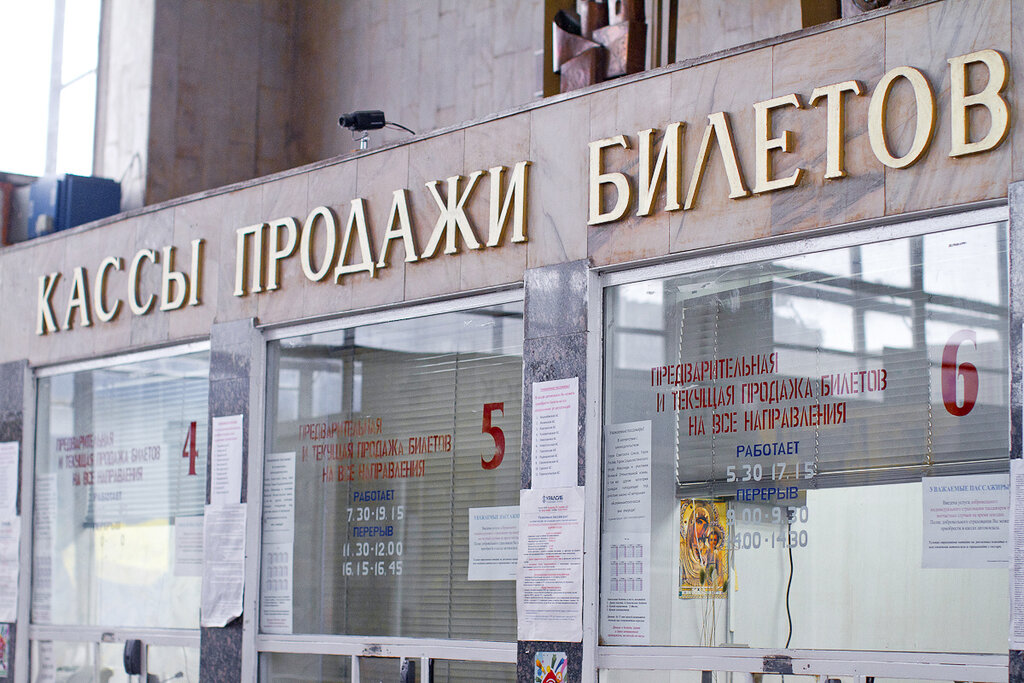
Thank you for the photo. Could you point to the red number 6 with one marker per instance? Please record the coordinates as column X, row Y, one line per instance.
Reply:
column 496, row 434
column 951, row 374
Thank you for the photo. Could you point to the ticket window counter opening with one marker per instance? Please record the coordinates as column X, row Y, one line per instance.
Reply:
column 810, row 452
column 102, row 662
column 391, row 489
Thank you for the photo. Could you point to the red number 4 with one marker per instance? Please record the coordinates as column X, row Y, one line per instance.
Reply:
column 496, row 434
column 189, row 449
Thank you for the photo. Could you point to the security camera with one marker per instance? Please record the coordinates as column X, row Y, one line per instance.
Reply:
column 370, row 119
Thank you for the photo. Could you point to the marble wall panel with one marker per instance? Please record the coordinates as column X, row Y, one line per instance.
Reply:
column 20, row 269
column 231, row 389
column 377, row 177
column 194, row 321
column 152, row 231
column 528, row 649
column 333, row 187
column 545, row 359
column 559, row 135
column 505, row 263
column 555, row 347
column 856, row 53
column 626, row 111
column 449, row 59
column 222, row 216
column 12, row 420
column 123, row 106
column 433, row 159
column 285, row 198
column 732, row 86
column 44, row 258
column 88, row 249
column 706, row 27
column 951, row 28
column 556, row 300
column 1016, row 87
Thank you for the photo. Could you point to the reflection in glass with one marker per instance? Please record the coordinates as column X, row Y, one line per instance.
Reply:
column 117, row 533
column 381, row 441
column 78, row 662
column 807, row 402
column 278, row 667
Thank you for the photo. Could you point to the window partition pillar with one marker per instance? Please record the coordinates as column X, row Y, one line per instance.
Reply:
column 14, row 396
column 236, row 367
column 1015, row 249
column 554, row 348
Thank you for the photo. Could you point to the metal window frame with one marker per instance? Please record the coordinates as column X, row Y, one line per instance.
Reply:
column 29, row 631
column 256, row 643
column 822, row 663
column 121, row 359
column 277, row 332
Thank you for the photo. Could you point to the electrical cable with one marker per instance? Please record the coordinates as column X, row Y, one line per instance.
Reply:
column 789, row 584
column 398, row 125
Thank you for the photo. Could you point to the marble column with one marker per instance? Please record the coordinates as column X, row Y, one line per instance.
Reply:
column 1016, row 255
column 235, row 362
column 555, row 347
column 13, row 381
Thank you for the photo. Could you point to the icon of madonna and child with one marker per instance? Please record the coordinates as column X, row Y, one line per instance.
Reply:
column 703, row 549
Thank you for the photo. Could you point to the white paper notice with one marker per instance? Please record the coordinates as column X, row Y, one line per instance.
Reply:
column 1017, row 555
column 493, row 543
column 549, row 585
column 188, row 546
column 966, row 522
column 8, row 478
column 626, row 537
column 45, row 514
column 226, row 460
column 224, row 566
column 47, row 672
column 10, row 533
column 555, row 435
column 276, row 568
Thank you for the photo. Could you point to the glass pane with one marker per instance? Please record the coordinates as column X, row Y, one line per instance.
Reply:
column 294, row 668
column 172, row 664
column 74, row 662
column 383, row 441
column 81, row 39
column 277, row 667
column 27, row 42
column 456, row 671
column 813, row 426
column 118, row 510
column 380, row 668
column 77, row 126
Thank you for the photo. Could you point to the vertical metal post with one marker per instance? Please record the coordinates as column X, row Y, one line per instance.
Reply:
column 56, row 84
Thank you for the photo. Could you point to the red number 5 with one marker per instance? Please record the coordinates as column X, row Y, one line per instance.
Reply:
column 496, row 434
column 951, row 373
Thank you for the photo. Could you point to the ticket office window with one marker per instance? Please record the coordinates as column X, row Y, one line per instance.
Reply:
column 391, row 480
column 120, row 482
column 811, row 452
